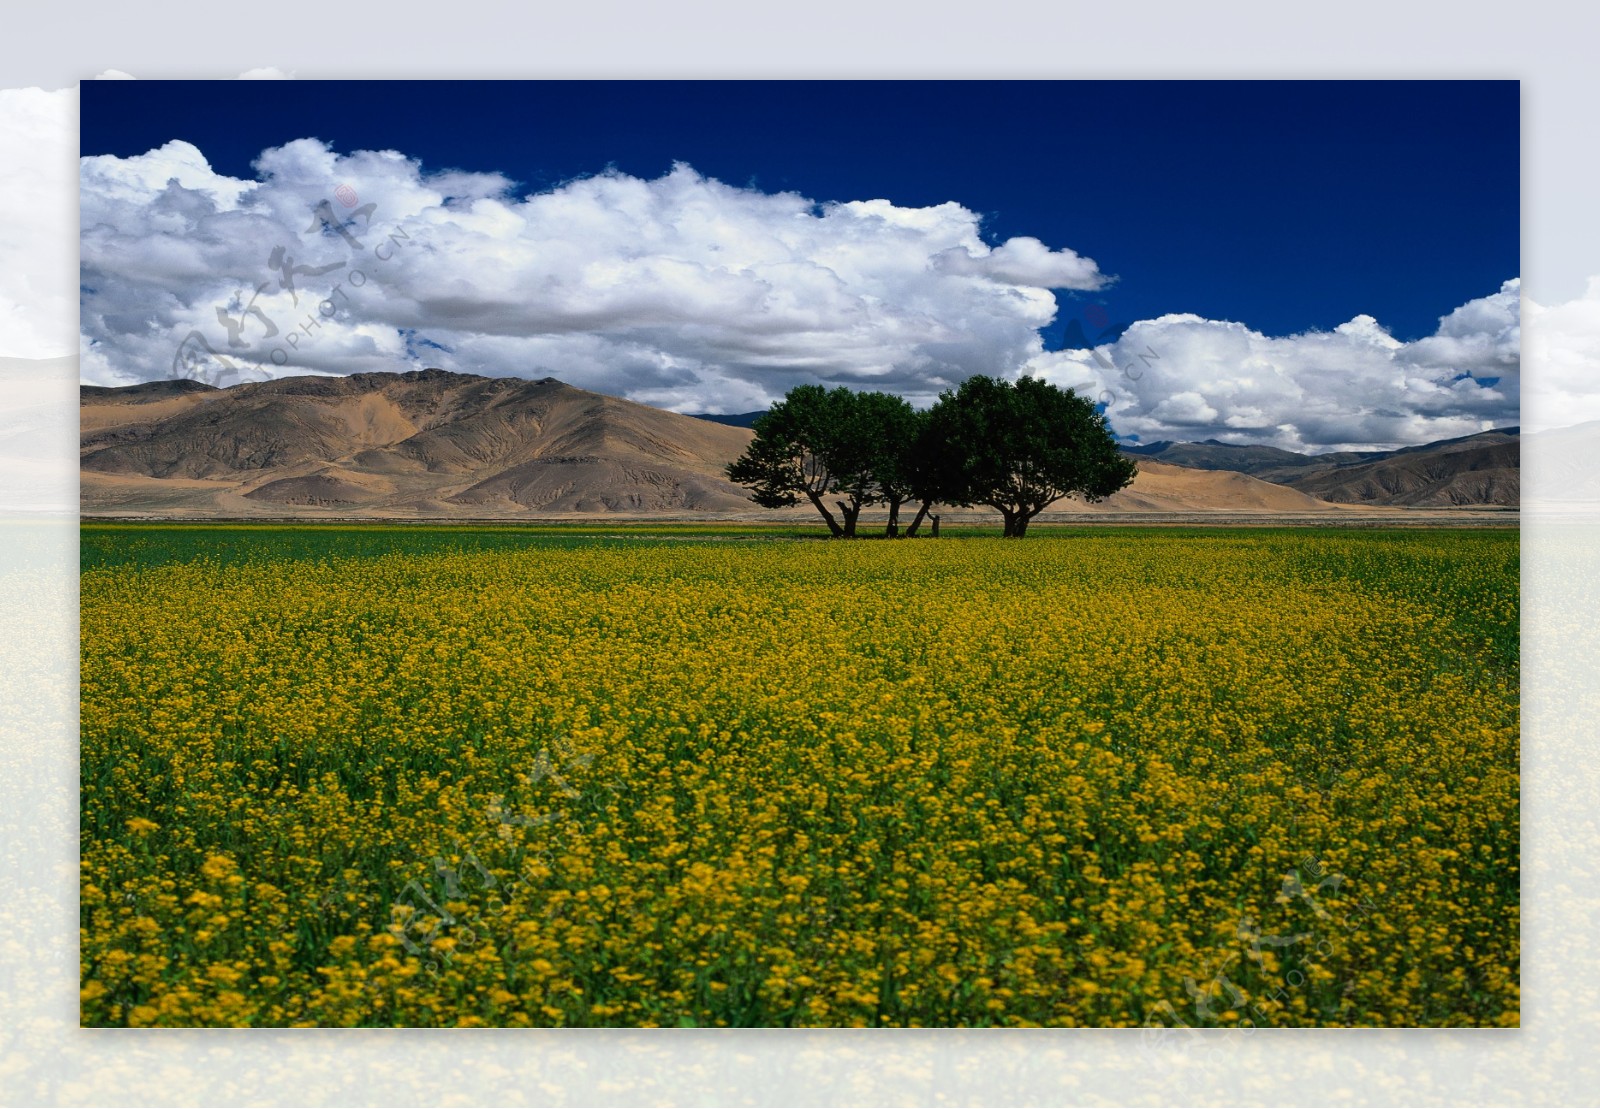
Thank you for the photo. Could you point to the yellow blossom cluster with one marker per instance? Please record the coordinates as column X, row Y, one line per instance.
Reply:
column 1095, row 778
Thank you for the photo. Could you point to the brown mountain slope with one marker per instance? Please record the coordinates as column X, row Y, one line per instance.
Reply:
column 1479, row 469
column 427, row 443
column 1163, row 487
column 439, row 445
column 103, row 411
column 1448, row 474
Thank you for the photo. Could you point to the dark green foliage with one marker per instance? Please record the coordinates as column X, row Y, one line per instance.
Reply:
column 890, row 429
column 1015, row 447
column 791, row 455
column 818, row 443
column 1019, row 447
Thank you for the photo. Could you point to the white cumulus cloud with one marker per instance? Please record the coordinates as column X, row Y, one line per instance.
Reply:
column 1563, row 348
column 38, row 217
column 679, row 291
column 1026, row 261
column 1186, row 378
column 685, row 292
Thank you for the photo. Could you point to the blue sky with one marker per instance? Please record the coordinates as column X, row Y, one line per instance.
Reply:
column 1284, row 207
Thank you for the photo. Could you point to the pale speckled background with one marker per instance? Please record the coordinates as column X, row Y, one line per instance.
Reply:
column 45, row 1059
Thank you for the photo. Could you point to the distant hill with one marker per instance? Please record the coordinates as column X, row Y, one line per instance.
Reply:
column 1211, row 454
column 147, row 392
column 1480, row 469
column 1562, row 469
column 426, row 443
column 436, row 445
column 1162, row 487
column 732, row 419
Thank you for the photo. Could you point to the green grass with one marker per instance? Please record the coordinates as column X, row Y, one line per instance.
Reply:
column 145, row 545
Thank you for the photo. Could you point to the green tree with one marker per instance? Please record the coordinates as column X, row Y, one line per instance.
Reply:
column 1019, row 447
column 818, row 443
column 807, row 445
column 891, row 430
column 930, row 468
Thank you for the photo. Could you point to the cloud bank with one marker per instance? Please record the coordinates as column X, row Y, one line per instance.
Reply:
column 1563, row 344
column 37, row 223
column 687, row 293
column 1185, row 378
column 680, row 291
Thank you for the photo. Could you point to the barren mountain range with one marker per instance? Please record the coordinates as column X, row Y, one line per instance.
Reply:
column 438, row 445
column 428, row 443
column 1481, row 469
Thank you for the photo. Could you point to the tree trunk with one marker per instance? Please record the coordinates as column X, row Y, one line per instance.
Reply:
column 892, row 529
column 916, row 522
column 1011, row 523
column 833, row 525
column 1022, row 523
column 850, row 512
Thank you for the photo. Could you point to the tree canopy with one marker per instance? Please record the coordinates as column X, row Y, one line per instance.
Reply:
column 1014, row 446
column 1020, row 446
column 810, row 444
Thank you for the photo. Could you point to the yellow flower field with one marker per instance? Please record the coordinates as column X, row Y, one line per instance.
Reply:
column 1099, row 777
